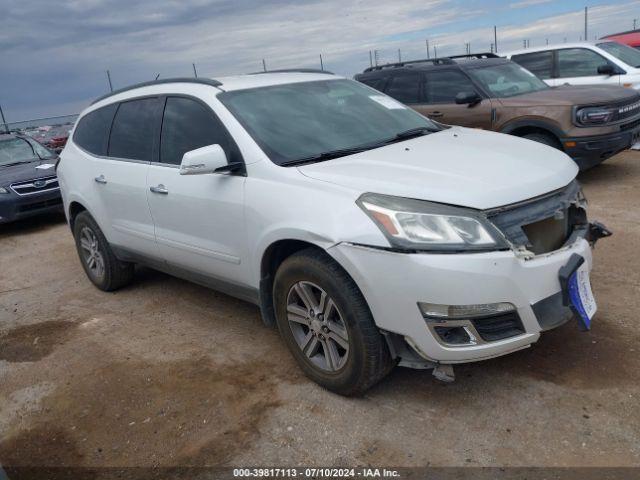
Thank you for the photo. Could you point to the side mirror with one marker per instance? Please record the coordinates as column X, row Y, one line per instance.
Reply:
column 468, row 98
column 204, row 160
column 606, row 69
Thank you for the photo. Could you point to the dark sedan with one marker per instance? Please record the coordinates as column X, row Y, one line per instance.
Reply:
column 28, row 182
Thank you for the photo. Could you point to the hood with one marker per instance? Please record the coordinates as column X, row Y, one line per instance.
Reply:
column 575, row 95
column 26, row 171
column 457, row 166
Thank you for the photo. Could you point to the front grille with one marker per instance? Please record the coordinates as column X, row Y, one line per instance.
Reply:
column 40, row 205
column 499, row 327
column 543, row 224
column 627, row 110
column 630, row 125
column 37, row 185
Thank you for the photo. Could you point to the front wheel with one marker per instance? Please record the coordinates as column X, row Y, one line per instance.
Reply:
column 326, row 324
column 543, row 138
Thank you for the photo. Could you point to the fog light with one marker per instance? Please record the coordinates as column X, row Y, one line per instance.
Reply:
column 438, row 312
column 453, row 335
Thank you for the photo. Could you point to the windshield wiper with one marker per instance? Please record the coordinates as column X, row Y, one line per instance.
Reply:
column 343, row 152
column 320, row 157
column 412, row 133
column 17, row 163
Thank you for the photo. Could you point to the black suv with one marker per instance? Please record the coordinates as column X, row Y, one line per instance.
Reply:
column 590, row 122
column 28, row 182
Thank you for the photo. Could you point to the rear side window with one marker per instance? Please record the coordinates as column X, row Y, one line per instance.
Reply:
column 405, row 88
column 132, row 134
column 443, row 86
column 538, row 63
column 92, row 131
column 377, row 83
column 188, row 125
column 579, row 62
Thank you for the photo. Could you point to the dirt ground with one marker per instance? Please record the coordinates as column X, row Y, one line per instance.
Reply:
column 168, row 373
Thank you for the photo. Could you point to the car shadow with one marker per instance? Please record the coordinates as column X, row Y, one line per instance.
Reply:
column 32, row 224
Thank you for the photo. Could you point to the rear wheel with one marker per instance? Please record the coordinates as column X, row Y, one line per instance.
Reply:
column 326, row 324
column 98, row 260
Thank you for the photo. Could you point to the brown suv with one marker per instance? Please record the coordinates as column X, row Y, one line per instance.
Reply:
column 589, row 123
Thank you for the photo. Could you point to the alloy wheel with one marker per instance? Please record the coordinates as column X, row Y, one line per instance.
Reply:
column 91, row 254
column 317, row 326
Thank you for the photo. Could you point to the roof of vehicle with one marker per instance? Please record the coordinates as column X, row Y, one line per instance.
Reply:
column 461, row 61
column 557, row 46
column 236, row 82
column 631, row 37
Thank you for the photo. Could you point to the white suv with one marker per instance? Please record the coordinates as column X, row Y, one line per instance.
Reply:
column 370, row 235
column 602, row 63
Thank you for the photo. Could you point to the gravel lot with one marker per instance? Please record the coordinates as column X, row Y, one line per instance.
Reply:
column 168, row 373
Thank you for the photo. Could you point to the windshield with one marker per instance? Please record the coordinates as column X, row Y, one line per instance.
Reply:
column 16, row 150
column 628, row 55
column 507, row 80
column 299, row 121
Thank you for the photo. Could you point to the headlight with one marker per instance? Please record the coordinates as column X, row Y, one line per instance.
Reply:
column 4, row 190
column 420, row 225
column 594, row 116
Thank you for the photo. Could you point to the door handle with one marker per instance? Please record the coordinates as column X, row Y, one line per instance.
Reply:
column 100, row 179
column 161, row 189
column 436, row 114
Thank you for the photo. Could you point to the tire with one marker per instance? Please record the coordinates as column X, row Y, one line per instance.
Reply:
column 543, row 138
column 348, row 371
column 91, row 243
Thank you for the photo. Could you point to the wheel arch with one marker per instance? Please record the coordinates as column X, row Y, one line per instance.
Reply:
column 525, row 127
column 272, row 257
column 75, row 208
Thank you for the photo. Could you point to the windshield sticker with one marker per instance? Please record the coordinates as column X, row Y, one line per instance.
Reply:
column 387, row 102
column 45, row 166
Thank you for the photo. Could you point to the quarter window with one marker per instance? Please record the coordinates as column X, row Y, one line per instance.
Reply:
column 405, row 88
column 579, row 62
column 133, row 129
column 92, row 131
column 188, row 125
column 443, row 86
column 538, row 63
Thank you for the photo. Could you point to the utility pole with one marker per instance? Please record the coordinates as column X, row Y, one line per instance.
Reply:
column 547, row 41
column 491, row 48
column 495, row 37
column 586, row 36
column 109, row 79
column 634, row 23
column 370, row 59
column 399, row 56
column 376, row 57
column 264, row 65
column 321, row 64
column 4, row 122
column 524, row 43
column 428, row 53
column 195, row 72
column 435, row 51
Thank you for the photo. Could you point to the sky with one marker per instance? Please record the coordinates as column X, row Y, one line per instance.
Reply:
column 54, row 54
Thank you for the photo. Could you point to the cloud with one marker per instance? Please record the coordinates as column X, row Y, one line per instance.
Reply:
column 528, row 3
column 58, row 51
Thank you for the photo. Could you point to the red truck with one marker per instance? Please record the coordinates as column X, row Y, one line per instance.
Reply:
column 631, row 38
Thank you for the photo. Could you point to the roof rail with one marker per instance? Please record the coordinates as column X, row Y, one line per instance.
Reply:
column 476, row 55
column 295, row 70
column 435, row 61
column 203, row 81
